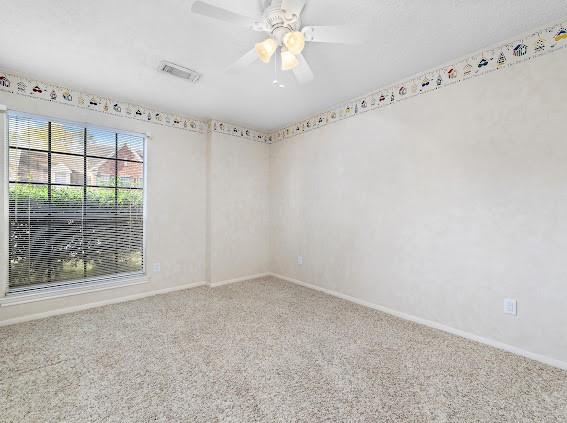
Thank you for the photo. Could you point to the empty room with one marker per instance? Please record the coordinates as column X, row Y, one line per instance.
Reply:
column 283, row 211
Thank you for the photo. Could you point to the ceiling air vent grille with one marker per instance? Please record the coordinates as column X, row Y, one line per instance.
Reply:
column 180, row 72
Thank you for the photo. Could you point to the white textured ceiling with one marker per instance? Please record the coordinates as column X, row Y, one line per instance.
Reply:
column 113, row 48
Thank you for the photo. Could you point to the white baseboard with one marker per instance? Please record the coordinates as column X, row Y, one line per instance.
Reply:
column 491, row 342
column 133, row 297
column 242, row 279
column 81, row 307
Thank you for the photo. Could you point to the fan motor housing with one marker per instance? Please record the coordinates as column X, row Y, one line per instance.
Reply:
column 279, row 22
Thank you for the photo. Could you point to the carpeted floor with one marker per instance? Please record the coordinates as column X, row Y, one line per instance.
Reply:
column 262, row 351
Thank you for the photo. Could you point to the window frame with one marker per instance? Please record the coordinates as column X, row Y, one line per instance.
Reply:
column 10, row 295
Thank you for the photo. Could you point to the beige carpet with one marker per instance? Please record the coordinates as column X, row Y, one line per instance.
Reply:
column 262, row 351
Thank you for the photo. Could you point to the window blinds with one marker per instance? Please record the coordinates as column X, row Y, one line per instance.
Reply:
column 76, row 203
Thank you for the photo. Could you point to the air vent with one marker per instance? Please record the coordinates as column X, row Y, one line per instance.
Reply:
column 180, row 72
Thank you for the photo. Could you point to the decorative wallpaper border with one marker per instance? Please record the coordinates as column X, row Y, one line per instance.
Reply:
column 534, row 44
column 239, row 131
column 19, row 85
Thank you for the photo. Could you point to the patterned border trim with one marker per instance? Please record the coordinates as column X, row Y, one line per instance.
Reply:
column 535, row 44
column 240, row 132
column 54, row 93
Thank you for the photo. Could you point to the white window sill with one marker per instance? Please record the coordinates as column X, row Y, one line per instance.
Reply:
column 55, row 292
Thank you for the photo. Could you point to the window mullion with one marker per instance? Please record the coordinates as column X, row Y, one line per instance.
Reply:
column 83, row 214
column 116, row 203
column 49, row 210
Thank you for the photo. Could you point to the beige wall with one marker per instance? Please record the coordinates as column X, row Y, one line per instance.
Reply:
column 440, row 206
column 239, row 207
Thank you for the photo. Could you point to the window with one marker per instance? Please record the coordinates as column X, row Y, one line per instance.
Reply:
column 76, row 203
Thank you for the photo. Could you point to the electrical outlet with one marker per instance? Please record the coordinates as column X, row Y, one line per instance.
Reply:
column 510, row 306
column 157, row 268
column 300, row 260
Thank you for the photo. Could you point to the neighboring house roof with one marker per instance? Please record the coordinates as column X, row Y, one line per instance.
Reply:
column 126, row 153
column 125, row 169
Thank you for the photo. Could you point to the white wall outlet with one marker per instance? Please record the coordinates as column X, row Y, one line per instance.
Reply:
column 157, row 267
column 300, row 260
column 510, row 306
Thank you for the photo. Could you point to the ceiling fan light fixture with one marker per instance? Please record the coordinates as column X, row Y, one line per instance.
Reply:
column 266, row 49
column 295, row 42
column 289, row 61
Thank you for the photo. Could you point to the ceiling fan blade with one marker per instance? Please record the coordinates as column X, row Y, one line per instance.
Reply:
column 335, row 34
column 206, row 9
column 303, row 71
column 293, row 7
column 243, row 62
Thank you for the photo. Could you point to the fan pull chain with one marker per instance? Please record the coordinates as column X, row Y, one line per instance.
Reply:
column 276, row 83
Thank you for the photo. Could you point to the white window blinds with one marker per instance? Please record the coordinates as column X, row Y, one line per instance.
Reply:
column 76, row 203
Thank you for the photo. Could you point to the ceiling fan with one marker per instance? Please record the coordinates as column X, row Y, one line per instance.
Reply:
column 281, row 19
